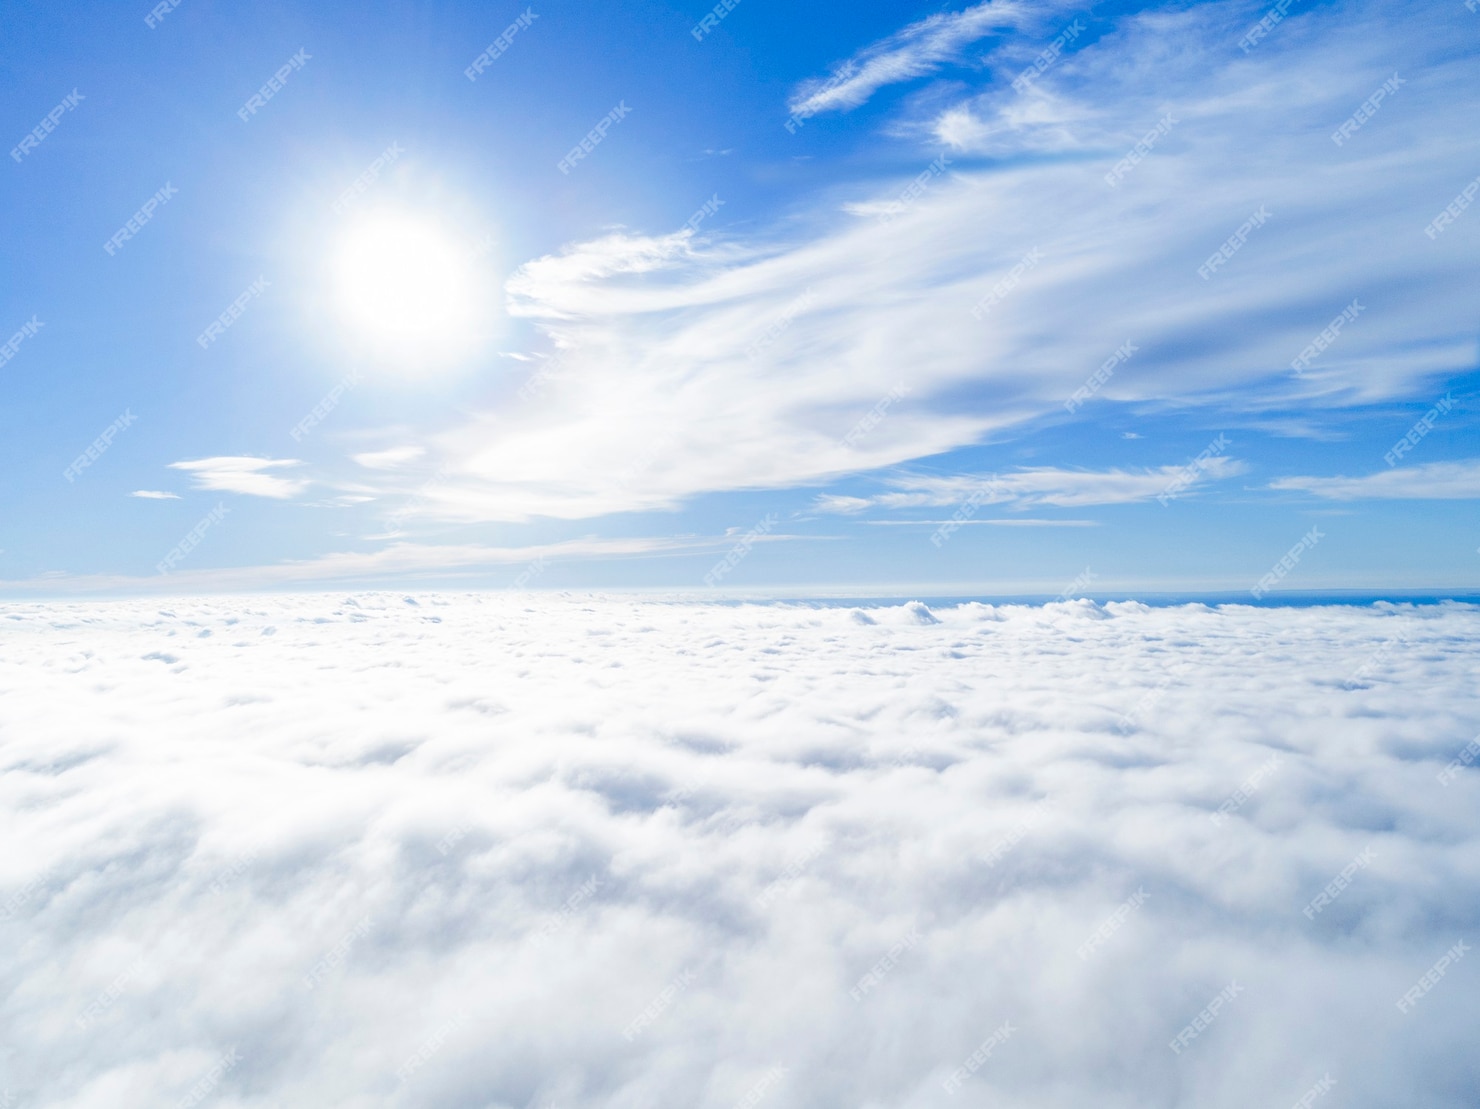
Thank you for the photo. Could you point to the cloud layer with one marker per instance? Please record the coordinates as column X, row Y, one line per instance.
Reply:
column 479, row 852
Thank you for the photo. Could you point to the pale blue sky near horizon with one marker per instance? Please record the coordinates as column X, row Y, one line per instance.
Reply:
column 826, row 279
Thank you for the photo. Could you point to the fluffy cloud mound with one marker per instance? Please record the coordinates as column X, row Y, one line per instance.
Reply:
column 495, row 851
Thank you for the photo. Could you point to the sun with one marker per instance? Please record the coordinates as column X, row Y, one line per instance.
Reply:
column 408, row 290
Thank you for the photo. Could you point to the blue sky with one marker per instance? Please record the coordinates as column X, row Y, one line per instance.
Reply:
column 916, row 260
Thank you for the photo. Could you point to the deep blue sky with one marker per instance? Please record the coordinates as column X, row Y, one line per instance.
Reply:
column 673, row 424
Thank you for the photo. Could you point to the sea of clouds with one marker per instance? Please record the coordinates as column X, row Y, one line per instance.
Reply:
column 498, row 851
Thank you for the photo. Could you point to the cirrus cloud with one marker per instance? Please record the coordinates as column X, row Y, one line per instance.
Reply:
column 1041, row 485
column 687, row 365
column 917, row 50
column 1441, row 481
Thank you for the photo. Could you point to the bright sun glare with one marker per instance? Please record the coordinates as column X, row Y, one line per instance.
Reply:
column 408, row 290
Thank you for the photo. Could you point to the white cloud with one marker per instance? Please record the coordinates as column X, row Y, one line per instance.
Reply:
column 842, row 505
column 155, row 495
column 917, row 50
column 686, row 367
column 392, row 458
column 245, row 475
column 758, row 802
column 560, row 285
column 1442, row 481
column 1037, row 486
column 1035, row 121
